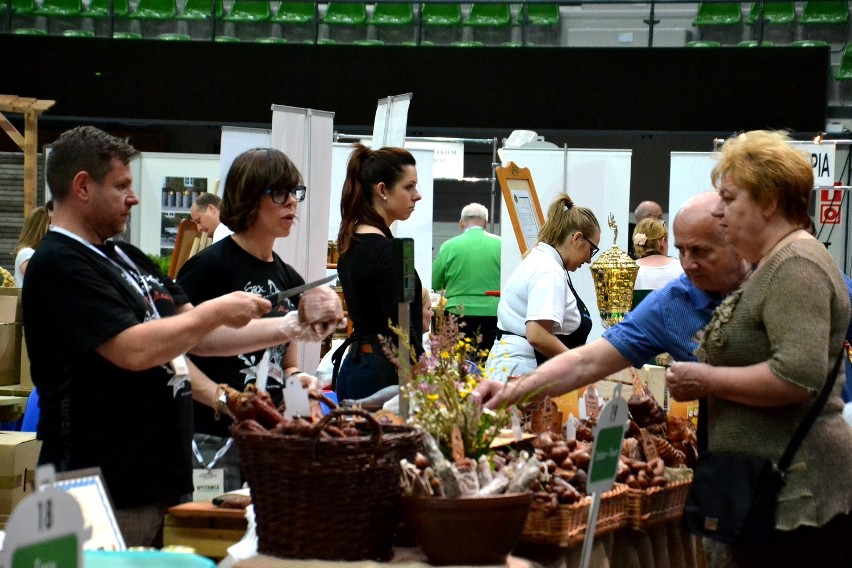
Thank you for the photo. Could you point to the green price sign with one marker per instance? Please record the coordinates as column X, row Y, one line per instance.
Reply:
column 55, row 553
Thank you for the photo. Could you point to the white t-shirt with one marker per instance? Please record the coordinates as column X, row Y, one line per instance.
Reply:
column 537, row 290
column 653, row 277
column 220, row 232
column 23, row 255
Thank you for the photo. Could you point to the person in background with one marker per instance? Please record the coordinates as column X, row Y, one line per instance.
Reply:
column 651, row 243
column 540, row 314
column 262, row 191
column 34, row 229
column 648, row 210
column 766, row 353
column 467, row 266
column 205, row 211
column 380, row 189
column 107, row 331
column 645, row 210
column 665, row 322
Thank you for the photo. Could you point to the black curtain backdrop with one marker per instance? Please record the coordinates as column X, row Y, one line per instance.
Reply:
column 659, row 89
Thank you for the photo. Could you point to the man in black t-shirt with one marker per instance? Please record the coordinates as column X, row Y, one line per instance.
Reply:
column 106, row 333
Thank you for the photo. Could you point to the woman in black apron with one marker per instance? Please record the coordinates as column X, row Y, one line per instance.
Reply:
column 540, row 314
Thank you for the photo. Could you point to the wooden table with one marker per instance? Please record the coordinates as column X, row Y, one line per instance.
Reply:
column 210, row 530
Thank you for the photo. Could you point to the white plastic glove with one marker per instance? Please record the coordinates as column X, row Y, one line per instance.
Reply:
column 296, row 331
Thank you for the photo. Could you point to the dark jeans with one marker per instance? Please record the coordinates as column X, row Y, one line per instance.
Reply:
column 362, row 374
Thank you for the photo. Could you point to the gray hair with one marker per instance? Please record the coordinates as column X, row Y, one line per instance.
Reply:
column 474, row 211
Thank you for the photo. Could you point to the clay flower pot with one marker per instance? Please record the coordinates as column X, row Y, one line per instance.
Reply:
column 467, row 530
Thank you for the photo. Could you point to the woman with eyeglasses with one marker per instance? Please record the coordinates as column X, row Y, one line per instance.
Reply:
column 380, row 188
column 262, row 191
column 540, row 314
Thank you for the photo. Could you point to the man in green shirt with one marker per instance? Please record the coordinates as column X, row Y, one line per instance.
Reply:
column 467, row 266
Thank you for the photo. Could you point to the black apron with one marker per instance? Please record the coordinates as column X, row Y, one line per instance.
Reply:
column 576, row 338
column 571, row 340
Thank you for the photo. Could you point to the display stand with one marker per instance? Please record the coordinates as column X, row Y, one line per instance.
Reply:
column 28, row 142
column 186, row 245
column 522, row 204
column 391, row 121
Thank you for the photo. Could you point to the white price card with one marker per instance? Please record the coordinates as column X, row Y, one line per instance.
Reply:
column 45, row 529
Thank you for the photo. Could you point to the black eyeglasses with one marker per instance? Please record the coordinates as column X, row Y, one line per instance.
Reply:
column 280, row 195
column 594, row 248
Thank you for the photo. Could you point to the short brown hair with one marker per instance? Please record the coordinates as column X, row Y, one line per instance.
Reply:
column 250, row 175
column 83, row 149
column 767, row 166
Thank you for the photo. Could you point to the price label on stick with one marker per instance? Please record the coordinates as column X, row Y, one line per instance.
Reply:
column 609, row 432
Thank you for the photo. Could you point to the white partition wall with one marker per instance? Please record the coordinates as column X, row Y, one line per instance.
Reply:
column 305, row 135
column 597, row 179
column 418, row 226
column 234, row 141
column 689, row 175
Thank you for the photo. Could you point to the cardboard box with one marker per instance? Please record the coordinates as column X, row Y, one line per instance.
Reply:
column 18, row 458
column 10, row 305
column 26, row 376
column 10, row 353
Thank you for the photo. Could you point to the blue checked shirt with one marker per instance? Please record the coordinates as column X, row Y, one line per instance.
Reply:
column 664, row 322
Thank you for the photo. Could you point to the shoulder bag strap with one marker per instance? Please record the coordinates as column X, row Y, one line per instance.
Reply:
column 806, row 424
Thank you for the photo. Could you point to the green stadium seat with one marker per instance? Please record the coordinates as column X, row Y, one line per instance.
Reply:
column 226, row 39
column 394, row 23
column 778, row 20
column 844, row 75
column 346, row 21
column 755, row 43
column 29, row 31
column 78, row 33
column 126, row 35
column 703, row 43
column 174, row 37
column 542, row 24
column 322, row 41
column 415, row 44
column 248, row 19
column 60, row 15
column 271, row 40
column 199, row 17
column 719, row 21
column 844, row 71
column 368, row 42
column 104, row 23
column 297, row 20
column 441, row 23
column 21, row 16
column 467, row 44
column 810, row 43
column 491, row 23
column 155, row 17
column 825, row 20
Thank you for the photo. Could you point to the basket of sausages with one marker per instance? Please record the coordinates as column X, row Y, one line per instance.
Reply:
column 334, row 475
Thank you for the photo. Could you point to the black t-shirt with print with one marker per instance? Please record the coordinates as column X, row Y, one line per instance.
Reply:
column 217, row 270
column 134, row 425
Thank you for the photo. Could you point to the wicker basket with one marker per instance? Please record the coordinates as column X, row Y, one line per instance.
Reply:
column 566, row 525
column 649, row 507
column 327, row 498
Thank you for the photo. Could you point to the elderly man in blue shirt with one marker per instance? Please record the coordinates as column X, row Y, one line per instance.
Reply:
column 665, row 322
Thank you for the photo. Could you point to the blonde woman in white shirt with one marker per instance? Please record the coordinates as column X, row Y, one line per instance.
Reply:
column 651, row 243
column 540, row 315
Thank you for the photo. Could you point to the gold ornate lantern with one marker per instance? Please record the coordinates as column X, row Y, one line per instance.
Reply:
column 614, row 273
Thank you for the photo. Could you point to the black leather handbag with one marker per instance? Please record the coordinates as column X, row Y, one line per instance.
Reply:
column 733, row 496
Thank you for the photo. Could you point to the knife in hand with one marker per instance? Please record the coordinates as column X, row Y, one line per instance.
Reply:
column 278, row 298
